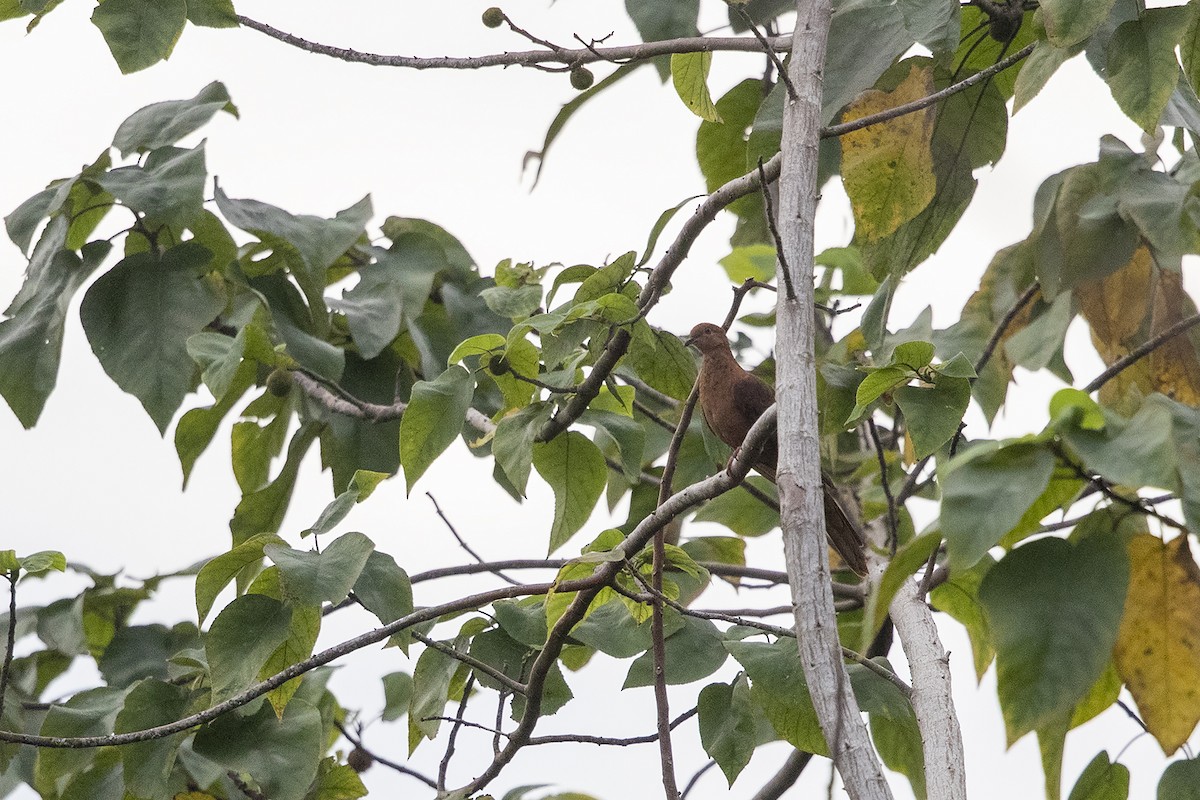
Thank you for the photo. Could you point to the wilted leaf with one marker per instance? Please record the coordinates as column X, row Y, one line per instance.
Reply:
column 888, row 168
column 1156, row 652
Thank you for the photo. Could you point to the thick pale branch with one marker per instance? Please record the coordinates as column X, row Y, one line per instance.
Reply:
column 799, row 476
column 527, row 58
column 933, row 702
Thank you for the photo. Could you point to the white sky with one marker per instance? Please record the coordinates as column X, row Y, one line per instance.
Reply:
column 95, row 480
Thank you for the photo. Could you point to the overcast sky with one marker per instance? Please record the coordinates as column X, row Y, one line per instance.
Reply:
column 95, row 480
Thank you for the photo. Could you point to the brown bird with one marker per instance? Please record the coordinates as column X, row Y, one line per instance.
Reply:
column 732, row 400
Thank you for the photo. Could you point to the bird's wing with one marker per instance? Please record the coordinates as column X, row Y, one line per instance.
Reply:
column 751, row 397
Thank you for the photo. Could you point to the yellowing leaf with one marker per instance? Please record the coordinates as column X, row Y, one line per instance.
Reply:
column 1127, row 309
column 1158, row 648
column 689, row 74
column 888, row 168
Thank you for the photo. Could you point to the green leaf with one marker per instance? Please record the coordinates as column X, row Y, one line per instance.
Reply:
column 138, row 317
column 693, row 652
column 985, row 492
column 740, row 511
column 722, row 153
column 662, row 360
column 959, row 597
column 397, row 693
column 1054, row 610
column 899, row 746
column 622, row 432
column 433, row 420
column 31, row 337
column 391, row 290
column 168, row 189
column 689, row 75
column 303, row 630
column 383, row 588
column 212, row 13
column 430, row 690
column 611, row 629
column 878, row 382
column 913, row 355
column 1180, row 780
column 728, row 729
column 513, row 302
column 779, row 688
column 657, row 21
column 934, row 413
column 219, row 356
column 241, row 639
column 360, row 488
column 575, row 470
column 140, row 33
column 512, row 444
column 479, row 346
column 310, row 578
column 753, row 261
column 1103, row 780
column 1140, row 451
column 281, row 754
column 43, row 561
column 88, row 713
column 1069, row 22
column 317, row 241
column 851, row 68
column 1142, row 69
column 262, row 511
column 147, row 766
column 161, row 124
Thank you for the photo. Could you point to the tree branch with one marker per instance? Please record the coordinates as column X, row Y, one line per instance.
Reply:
column 1141, row 352
column 932, row 700
column 799, row 476
column 527, row 58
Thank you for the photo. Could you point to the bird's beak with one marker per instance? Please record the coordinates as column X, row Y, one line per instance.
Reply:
column 689, row 341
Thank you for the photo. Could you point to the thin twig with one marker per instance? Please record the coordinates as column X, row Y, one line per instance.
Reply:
column 472, row 662
column 786, row 777
column 444, row 766
column 10, row 638
column 529, row 58
column 463, row 543
column 378, row 759
column 893, row 525
column 581, row 738
column 696, row 776
column 1140, row 352
column 769, row 49
column 925, row 102
column 765, row 188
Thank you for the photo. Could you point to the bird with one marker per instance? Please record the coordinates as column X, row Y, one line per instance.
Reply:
column 732, row 400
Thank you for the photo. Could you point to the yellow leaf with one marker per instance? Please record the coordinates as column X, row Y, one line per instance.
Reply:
column 1128, row 308
column 888, row 168
column 1158, row 647
column 689, row 74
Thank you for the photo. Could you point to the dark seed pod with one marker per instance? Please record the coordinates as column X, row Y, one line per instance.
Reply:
column 493, row 17
column 582, row 78
column 279, row 382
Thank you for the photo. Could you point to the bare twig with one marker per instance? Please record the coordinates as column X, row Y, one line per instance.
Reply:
column 769, row 48
column 456, row 726
column 784, row 270
column 925, row 102
column 487, row 669
column 786, row 777
column 530, row 58
column 10, row 638
column 696, row 776
column 463, row 543
column 893, row 526
column 1141, row 352
column 581, row 738
column 378, row 759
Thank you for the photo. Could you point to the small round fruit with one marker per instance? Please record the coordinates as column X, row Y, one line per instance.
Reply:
column 582, row 78
column 1003, row 29
column 498, row 365
column 279, row 382
column 493, row 17
column 359, row 760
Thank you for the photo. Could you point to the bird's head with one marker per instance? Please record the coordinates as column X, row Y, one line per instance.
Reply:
column 708, row 338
